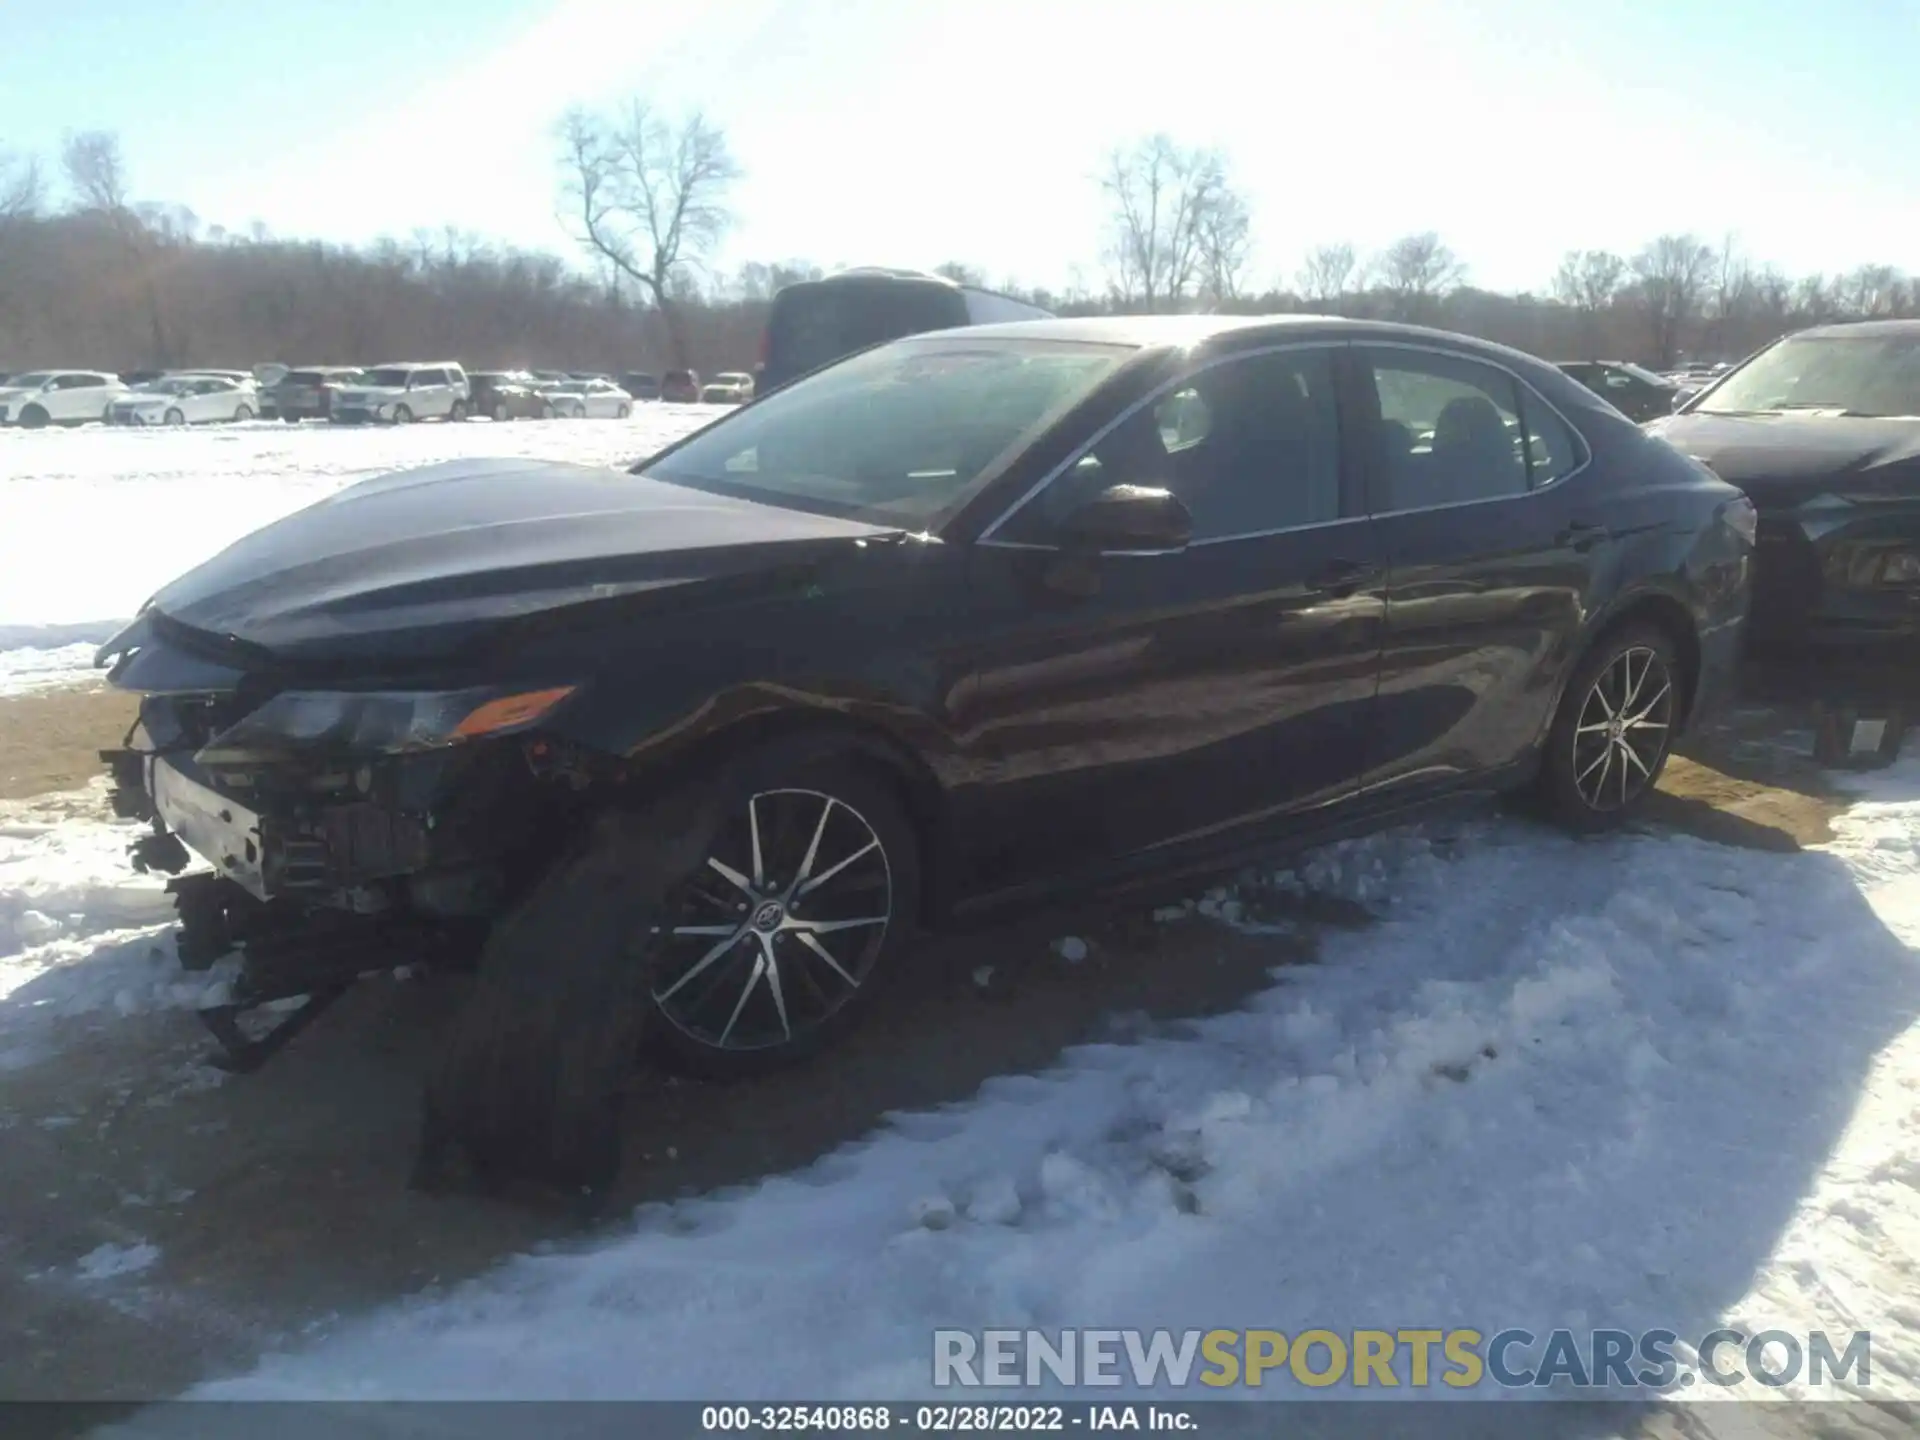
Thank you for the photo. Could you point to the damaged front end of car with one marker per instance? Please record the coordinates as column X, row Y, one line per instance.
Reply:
column 346, row 832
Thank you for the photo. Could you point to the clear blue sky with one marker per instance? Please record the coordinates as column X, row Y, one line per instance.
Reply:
column 915, row 131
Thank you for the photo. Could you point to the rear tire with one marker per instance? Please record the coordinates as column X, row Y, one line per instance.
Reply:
column 499, row 412
column 769, row 970
column 1613, row 732
column 546, row 411
column 459, row 411
column 242, row 415
column 291, row 419
column 624, row 412
column 528, row 1080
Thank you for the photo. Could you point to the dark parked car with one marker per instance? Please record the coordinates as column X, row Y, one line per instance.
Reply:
column 957, row 623
column 680, row 387
column 1635, row 392
column 308, row 394
column 640, row 385
column 815, row 322
column 507, row 395
column 1822, row 430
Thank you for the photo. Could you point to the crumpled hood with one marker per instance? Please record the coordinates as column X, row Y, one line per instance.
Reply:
column 1782, row 460
column 470, row 543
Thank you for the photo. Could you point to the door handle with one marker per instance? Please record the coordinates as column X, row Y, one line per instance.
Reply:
column 1582, row 535
column 1338, row 579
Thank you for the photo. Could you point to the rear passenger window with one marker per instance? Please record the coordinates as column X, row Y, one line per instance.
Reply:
column 1449, row 432
column 1553, row 452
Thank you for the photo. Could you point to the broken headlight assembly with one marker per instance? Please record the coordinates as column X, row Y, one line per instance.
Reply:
column 303, row 723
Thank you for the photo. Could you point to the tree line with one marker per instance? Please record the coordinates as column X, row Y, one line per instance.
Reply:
column 92, row 275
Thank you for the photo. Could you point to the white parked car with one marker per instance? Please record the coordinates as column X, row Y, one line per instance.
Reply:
column 587, row 400
column 729, row 387
column 58, row 397
column 401, row 394
column 188, row 399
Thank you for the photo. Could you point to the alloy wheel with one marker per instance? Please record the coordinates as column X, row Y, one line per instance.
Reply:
column 1623, row 730
column 781, row 926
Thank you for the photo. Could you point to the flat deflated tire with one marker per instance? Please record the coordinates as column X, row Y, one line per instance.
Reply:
column 526, row 1085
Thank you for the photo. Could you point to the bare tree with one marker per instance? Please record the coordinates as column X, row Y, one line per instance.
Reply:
column 648, row 195
column 1415, row 272
column 1673, row 273
column 1225, row 237
column 21, row 193
column 1329, row 274
column 961, row 274
column 97, row 175
column 1872, row 292
column 1164, row 199
column 1588, row 282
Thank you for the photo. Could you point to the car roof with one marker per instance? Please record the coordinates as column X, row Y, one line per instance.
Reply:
column 1865, row 329
column 1193, row 331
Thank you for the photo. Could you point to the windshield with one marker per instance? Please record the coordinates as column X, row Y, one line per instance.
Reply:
column 31, row 382
column 1870, row 375
column 897, row 434
column 386, row 379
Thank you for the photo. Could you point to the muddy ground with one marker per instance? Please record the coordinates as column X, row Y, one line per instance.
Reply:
column 247, row 1186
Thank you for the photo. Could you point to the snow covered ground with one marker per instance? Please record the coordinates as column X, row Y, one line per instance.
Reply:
column 1641, row 1082
column 95, row 520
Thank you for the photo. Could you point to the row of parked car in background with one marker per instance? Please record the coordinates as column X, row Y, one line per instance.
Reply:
column 394, row 394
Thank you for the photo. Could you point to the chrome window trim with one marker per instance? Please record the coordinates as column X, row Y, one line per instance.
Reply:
column 1158, row 393
column 1521, row 383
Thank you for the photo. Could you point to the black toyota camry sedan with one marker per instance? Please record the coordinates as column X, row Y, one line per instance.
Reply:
column 1822, row 431
column 965, row 620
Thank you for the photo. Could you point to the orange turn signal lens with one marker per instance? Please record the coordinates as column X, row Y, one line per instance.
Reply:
column 510, row 711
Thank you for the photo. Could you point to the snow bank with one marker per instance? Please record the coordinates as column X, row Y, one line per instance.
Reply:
column 80, row 933
column 1641, row 1082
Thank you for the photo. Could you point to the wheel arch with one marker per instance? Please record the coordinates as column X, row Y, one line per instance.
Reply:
column 821, row 735
column 1665, row 611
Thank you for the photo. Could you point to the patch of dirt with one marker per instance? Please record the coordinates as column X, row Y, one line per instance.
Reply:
column 1748, row 778
column 50, row 739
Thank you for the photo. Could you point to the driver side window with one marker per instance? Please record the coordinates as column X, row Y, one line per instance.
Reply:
column 1250, row 445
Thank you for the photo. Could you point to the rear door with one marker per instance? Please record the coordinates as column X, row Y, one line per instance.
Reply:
column 428, row 392
column 1199, row 697
column 1493, row 546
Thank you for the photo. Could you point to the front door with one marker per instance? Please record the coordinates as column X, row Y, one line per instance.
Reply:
column 1491, row 553
column 1133, row 702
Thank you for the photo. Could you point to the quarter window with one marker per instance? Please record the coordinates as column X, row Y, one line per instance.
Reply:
column 1449, row 432
column 1553, row 453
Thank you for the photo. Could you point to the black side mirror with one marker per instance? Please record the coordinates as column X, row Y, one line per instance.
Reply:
column 1128, row 517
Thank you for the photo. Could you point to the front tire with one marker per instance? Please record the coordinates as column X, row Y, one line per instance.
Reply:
column 459, row 411
column 402, row 415
column 1614, row 731
column 242, row 415
column 797, row 915
column 624, row 412
column 500, row 412
column 176, row 417
column 33, row 418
